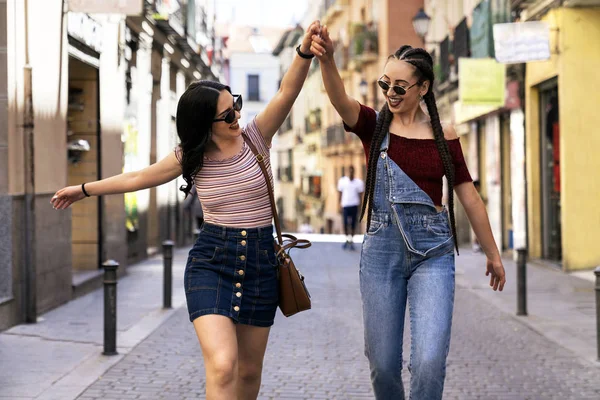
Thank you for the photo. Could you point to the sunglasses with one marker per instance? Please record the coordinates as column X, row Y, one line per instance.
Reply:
column 237, row 106
column 399, row 90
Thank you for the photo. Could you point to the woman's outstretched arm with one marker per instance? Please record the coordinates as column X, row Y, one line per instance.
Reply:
column 156, row 174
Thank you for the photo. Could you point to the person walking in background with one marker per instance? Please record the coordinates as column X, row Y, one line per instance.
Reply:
column 306, row 227
column 351, row 190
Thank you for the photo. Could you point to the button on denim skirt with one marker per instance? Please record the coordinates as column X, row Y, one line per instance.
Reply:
column 233, row 272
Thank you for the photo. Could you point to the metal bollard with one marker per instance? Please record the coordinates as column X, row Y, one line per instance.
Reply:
column 110, row 307
column 522, row 282
column 196, row 235
column 597, row 273
column 167, row 273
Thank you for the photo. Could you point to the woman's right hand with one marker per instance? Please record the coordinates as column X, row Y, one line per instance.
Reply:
column 67, row 196
column 322, row 47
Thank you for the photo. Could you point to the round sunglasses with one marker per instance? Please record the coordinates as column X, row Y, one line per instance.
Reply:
column 237, row 106
column 399, row 90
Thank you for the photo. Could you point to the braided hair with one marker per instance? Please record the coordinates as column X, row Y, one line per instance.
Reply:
column 423, row 63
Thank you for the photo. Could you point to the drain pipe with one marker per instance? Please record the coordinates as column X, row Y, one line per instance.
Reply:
column 29, row 185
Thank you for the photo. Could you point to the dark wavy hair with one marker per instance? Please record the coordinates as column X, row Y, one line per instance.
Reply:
column 423, row 63
column 195, row 114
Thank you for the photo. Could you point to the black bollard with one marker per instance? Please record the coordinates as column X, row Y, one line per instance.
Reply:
column 110, row 307
column 522, row 282
column 167, row 273
column 196, row 235
column 597, row 273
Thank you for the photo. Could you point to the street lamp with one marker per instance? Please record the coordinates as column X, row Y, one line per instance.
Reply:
column 363, row 89
column 421, row 23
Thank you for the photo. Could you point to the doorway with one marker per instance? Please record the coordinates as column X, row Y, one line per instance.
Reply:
column 83, row 140
column 550, row 172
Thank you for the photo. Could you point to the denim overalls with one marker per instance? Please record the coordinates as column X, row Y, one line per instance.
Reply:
column 407, row 254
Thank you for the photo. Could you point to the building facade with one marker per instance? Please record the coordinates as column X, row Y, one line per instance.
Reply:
column 83, row 97
column 288, row 139
column 365, row 33
column 561, row 111
column 533, row 178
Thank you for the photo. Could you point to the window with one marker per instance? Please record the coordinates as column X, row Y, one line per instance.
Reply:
column 290, row 170
column 253, row 88
column 375, row 93
column 314, row 186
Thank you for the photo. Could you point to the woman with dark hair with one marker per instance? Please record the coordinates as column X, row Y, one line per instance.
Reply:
column 408, row 251
column 231, row 273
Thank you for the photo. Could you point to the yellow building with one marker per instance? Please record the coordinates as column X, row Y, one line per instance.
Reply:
column 535, row 167
column 561, row 134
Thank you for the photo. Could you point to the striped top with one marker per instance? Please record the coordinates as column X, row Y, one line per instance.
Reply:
column 233, row 192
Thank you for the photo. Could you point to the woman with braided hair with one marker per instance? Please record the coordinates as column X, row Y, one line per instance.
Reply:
column 408, row 251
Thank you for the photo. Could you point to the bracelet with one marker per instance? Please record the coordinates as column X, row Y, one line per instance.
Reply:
column 83, row 189
column 301, row 54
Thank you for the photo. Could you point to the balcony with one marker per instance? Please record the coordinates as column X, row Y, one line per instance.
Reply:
column 169, row 16
column 330, row 9
column 341, row 56
column 364, row 46
column 287, row 124
column 285, row 174
column 311, row 186
column 313, row 121
column 182, row 21
column 334, row 135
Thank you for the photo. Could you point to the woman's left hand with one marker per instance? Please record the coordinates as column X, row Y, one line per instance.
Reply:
column 498, row 276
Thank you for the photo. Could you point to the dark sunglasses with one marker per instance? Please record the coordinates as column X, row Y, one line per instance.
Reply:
column 237, row 106
column 397, row 89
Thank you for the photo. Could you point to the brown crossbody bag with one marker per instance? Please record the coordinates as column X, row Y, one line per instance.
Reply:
column 293, row 294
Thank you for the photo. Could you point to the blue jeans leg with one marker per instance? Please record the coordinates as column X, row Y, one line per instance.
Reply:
column 383, row 287
column 431, row 301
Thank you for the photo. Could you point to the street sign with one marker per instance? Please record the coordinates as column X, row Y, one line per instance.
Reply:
column 520, row 42
column 482, row 82
column 127, row 7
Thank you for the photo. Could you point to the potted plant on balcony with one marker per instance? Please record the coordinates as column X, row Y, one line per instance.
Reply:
column 365, row 42
column 371, row 38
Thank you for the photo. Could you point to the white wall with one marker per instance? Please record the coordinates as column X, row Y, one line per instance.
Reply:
column 50, row 76
column 493, row 171
column 266, row 66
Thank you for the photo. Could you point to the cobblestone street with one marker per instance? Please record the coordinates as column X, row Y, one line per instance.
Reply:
column 319, row 354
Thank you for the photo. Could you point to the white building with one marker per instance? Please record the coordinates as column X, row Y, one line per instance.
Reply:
column 253, row 69
column 86, row 93
column 287, row 178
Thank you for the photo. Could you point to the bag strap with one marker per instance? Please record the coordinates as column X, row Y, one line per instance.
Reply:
column 261, row 163
column 292, row 240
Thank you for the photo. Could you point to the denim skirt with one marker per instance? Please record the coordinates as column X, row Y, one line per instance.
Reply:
column 233, row 272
